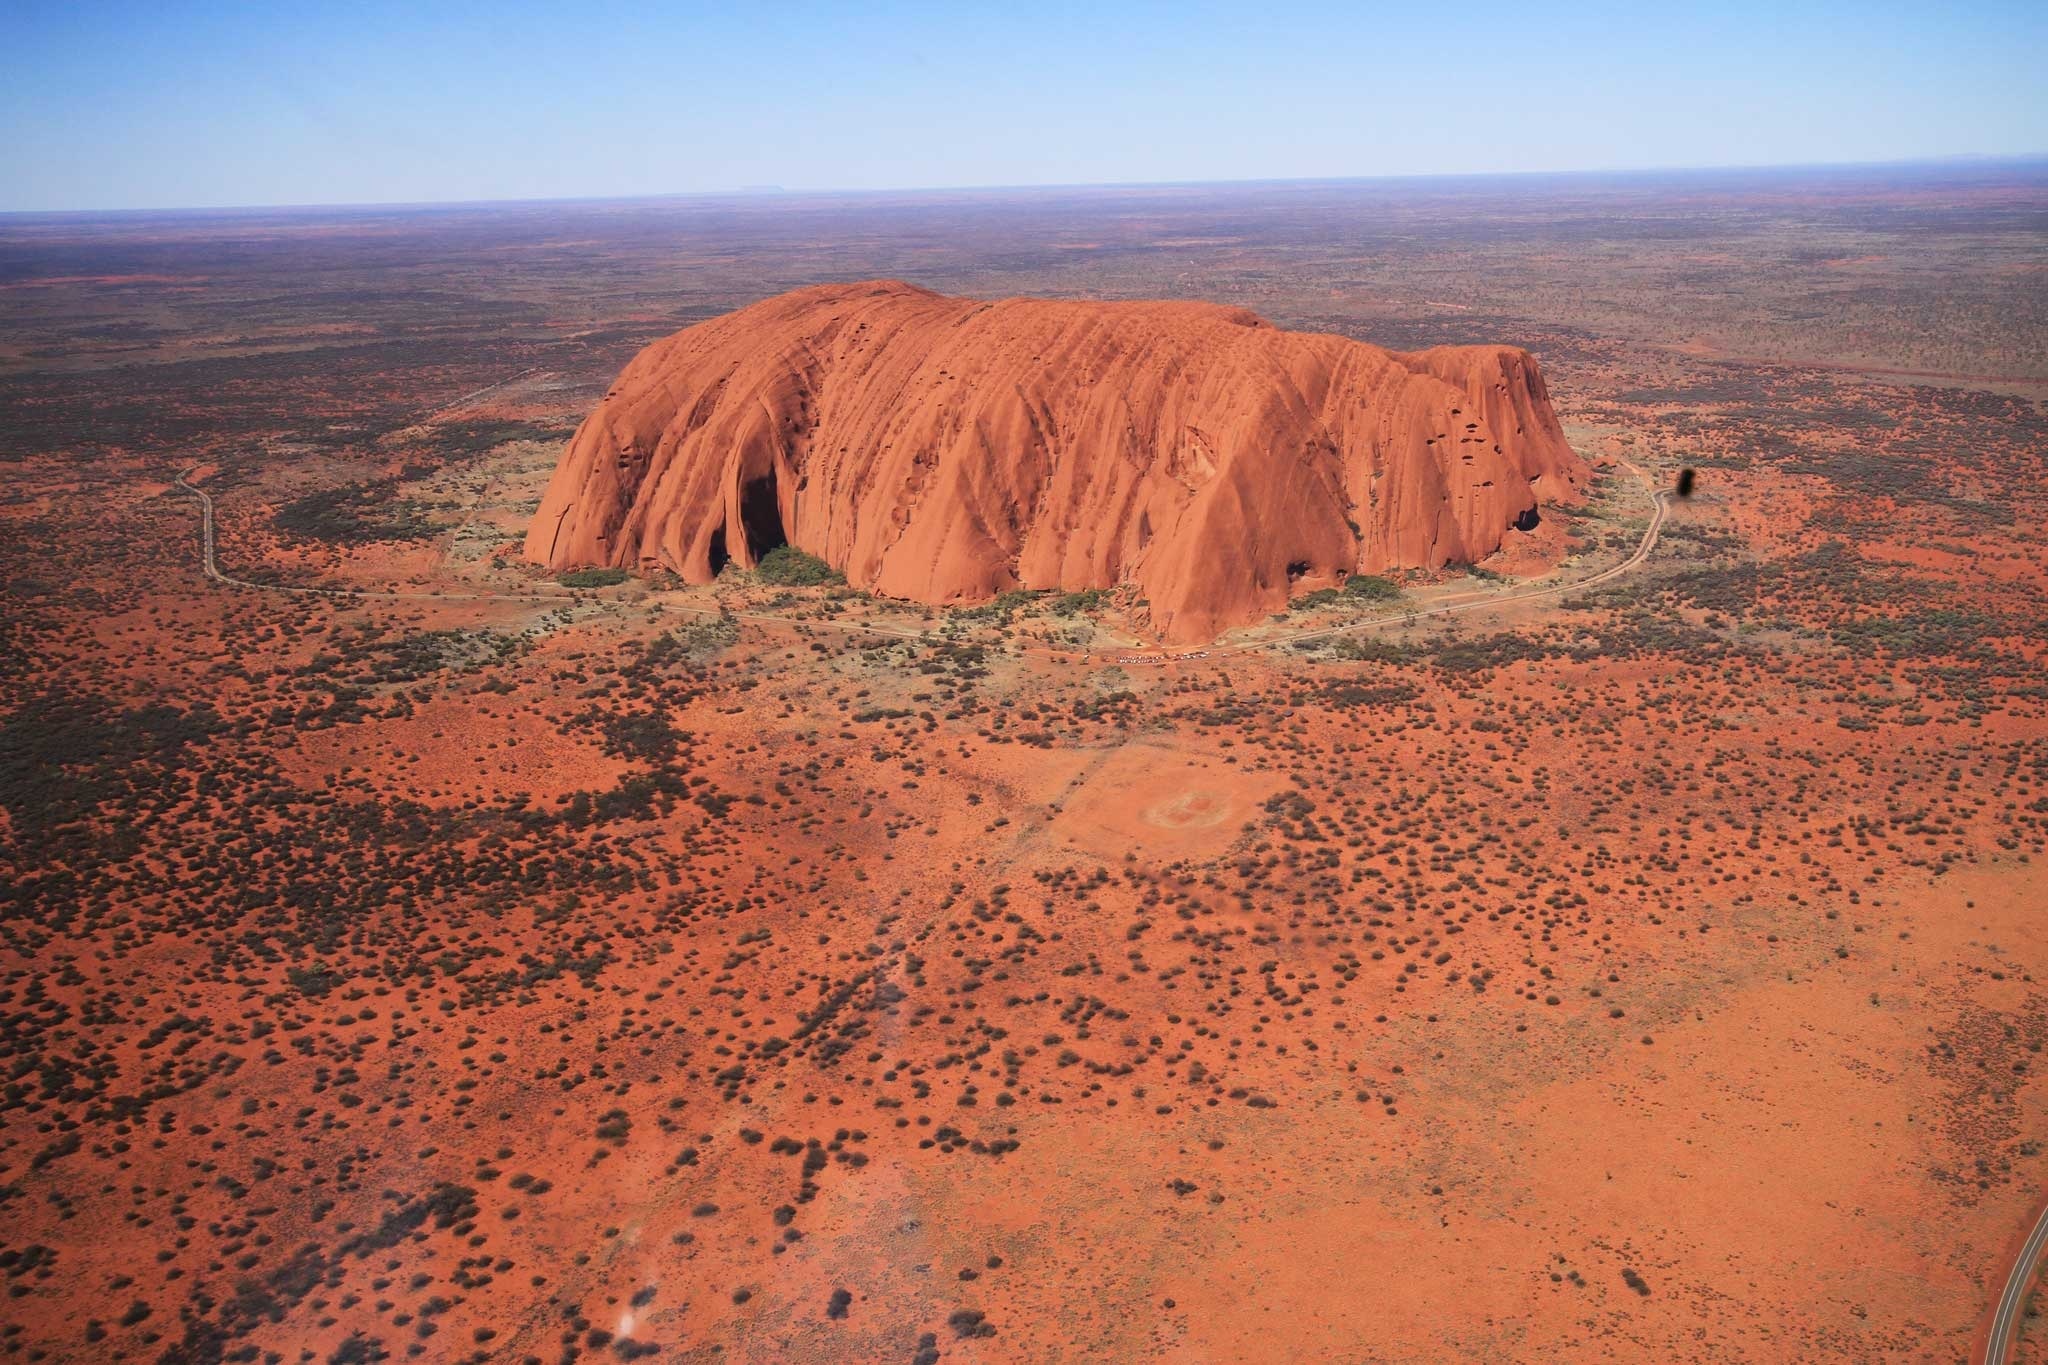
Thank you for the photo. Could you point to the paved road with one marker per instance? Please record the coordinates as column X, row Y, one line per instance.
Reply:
column 2005, row 1319
column 210, row 564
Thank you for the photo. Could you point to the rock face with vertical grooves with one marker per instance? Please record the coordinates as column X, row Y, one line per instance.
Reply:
column 944, row 450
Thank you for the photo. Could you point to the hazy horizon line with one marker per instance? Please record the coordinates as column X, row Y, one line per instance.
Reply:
column 770, row 192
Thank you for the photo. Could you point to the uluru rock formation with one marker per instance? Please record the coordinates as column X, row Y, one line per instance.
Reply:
column 944, row 450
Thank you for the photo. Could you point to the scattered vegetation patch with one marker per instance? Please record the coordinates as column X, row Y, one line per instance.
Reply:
column 356, row 514
column 1367, row 587
column 451, row 441
column 1368, row 649
column 1078, row 603
column 61, row 756
column 1002, row 606
column 592, row 578
column 785, row 566
column 643, row 735
column 693, row 643
column 409, row 658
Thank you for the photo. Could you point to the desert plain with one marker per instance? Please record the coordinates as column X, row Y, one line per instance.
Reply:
column 1624, row 949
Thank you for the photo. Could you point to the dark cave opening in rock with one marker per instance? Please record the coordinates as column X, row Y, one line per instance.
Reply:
column 761, row 516
column 1528, row 520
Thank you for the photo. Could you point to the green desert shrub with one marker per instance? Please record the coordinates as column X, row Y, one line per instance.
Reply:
column 592, row 578
column 1371, row 588
column 785, row 566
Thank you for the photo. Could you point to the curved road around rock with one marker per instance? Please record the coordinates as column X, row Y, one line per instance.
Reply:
column 2005, row 1318
column 1659, row 500
column 1659, row 508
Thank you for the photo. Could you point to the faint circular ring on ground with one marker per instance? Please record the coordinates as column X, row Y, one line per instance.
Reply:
column 1189, row 810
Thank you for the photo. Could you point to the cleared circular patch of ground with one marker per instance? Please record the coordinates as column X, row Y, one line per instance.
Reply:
column 1164, row 802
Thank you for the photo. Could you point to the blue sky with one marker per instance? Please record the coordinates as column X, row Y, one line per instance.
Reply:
column 129, row 105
